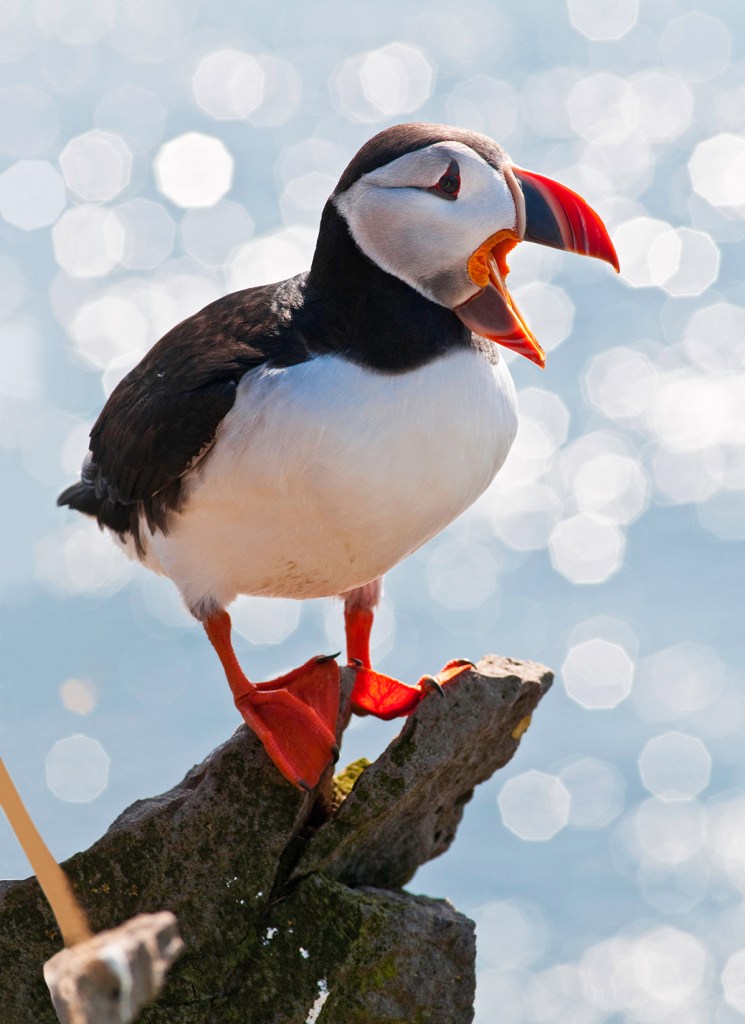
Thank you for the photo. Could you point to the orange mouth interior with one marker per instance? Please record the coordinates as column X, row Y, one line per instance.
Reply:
column 494, row 250
column 488, row 268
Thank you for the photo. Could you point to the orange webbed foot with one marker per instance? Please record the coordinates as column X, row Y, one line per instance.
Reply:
column 386, row 697
column 374, row 693
column 294, row 716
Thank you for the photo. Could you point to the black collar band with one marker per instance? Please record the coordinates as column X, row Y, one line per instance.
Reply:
column 355, row 308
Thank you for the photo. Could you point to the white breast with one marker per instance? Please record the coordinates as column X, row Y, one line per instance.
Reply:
column 325, row 475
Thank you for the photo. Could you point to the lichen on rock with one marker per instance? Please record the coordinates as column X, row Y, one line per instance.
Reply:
column 288, row 901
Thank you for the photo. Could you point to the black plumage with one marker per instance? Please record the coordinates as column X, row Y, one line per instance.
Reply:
column 162, row 418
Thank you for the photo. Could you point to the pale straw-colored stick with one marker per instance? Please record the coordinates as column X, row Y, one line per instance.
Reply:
column 70, row 916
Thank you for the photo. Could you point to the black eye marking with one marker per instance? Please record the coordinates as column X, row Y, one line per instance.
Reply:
column 449, row 184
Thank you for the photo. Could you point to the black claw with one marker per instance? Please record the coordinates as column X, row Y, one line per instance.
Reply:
column 431, row 685
column 323, row 658
column 334, row 753
column 302, row 784
column 355, row 663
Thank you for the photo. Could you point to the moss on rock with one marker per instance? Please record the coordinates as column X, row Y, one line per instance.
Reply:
column 284, row 898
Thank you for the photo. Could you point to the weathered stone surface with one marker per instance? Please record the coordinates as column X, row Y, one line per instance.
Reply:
column 381, row 956
column 208, row 850
column 108, row 978
column 220, row 849
column 405, row 809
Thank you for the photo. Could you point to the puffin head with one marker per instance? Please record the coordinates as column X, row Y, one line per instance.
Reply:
column 440, row 208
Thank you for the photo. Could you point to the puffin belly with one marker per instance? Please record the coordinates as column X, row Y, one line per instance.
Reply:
column 326, row 474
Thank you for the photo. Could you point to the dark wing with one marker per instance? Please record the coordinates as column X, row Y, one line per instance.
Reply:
column 162, row 418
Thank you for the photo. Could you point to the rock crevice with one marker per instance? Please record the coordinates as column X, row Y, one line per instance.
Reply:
column 290, row 904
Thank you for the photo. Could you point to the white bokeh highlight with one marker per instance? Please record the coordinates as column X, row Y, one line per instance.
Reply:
column 723, row 515
column 194, row 170
column 228, row 85
column 32, row 194
column 666, row 105
column 697, row 265
column 510, row 934
column 677, row 682
column 556, row 994
column 598, row 674
column 88, row 241
column 733, row 981
column 271, row 257
column 81, row 22
column 462, row 575
column 603, row 108
column 524, row 504
column 265, row 620
column 697, row 45
column 725, row 839
column 619, row 382
column 107, row 328
column 657, row 974
column 596, row 790
column 612, row 485
column 674, row 766
column 97, row 165
column 283, row 93
column 80, row 559
column 394, row 80
column 586, row 548
column 78, row 696
column 549, row 311
column 609, row 20
column 649, row 251
column 486, row 104
column 534, row 805
column 304, row 197
column 77, row 769
column 714, row 338
column 717, row 170
column 664, row 835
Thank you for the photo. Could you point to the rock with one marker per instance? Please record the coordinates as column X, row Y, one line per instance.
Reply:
column 208, row 851
column 257, row 872
column 405, row 808
column 367, row 956
column 107, row 979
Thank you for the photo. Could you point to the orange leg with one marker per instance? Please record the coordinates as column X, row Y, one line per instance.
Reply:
column 294, row 716
column 376, row 694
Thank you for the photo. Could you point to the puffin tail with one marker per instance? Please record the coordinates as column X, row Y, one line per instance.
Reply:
column 81, row 497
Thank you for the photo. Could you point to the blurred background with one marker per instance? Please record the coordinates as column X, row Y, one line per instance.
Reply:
column 158, row 153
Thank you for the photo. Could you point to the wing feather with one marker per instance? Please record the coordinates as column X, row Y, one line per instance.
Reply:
column 162, row 418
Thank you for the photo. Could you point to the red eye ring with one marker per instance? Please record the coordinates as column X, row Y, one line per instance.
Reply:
column 449, row 184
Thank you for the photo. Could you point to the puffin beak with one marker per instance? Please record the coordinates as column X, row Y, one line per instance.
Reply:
column 548, row 213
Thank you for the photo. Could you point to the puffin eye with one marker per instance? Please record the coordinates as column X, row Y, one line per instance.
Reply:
column 449, row 184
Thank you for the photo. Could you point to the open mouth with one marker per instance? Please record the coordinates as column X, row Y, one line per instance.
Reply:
column 548, row 213
column 492, row 312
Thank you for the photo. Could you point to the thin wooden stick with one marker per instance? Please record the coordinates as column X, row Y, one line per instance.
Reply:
column 70, row 916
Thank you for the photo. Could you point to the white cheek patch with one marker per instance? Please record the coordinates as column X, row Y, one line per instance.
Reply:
column 421, row 238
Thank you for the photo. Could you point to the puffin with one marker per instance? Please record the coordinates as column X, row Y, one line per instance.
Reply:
column 299, row 439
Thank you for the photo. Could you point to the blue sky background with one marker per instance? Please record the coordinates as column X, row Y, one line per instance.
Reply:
column 156, row 155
